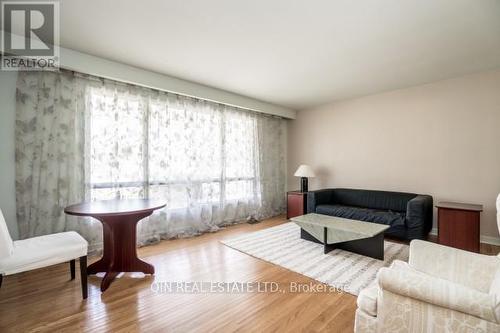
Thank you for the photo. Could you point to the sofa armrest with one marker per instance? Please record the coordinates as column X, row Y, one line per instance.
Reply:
column 419, row 211
column 470, row 269
column 318, row 197
column 440, row 292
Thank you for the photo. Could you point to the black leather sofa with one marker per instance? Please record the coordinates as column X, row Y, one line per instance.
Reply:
column 409, row 215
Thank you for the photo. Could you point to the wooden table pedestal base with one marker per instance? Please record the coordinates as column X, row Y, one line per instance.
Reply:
column 120, row 252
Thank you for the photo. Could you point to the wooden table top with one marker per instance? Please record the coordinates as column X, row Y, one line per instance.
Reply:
column 459, row 206
column 114, row 207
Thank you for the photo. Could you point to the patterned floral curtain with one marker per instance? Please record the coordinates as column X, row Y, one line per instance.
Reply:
column 50, row 150
column 82, row 138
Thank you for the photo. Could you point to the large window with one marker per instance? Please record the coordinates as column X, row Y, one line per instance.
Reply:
column 183, row 151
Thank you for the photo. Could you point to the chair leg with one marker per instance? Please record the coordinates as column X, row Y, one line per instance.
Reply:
column 72, row 268
column 1, row 279
column 83, row 276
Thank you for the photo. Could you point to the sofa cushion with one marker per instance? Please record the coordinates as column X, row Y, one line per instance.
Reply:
column 380, row 200
column 363, row 214
column 367, row 299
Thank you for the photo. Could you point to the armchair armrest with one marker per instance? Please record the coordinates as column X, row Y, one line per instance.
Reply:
column 318, row 197
column 440, row 292
column 470, row 269
column 419, row 212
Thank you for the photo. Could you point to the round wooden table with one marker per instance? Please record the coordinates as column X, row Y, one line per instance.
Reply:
column 119, row 221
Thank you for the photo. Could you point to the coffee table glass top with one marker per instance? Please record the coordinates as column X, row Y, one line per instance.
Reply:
column 338, row 229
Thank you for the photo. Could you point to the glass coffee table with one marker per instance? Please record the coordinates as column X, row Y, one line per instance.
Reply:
column 333, row 232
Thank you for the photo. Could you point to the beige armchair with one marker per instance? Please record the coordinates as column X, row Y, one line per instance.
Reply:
column 441, row 289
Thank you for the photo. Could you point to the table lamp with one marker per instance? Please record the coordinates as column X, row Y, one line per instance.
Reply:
column 304, row 171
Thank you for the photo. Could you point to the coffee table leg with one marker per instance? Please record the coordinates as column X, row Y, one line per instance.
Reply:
column 371, row 247
column 327, row 247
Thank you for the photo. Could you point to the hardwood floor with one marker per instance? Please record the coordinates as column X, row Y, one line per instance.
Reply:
column 46, row 299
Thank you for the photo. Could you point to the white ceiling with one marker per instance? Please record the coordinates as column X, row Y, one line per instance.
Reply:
column 292, row 53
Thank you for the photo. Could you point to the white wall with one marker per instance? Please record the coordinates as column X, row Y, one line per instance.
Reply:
column 7, row 161
column 441, row 139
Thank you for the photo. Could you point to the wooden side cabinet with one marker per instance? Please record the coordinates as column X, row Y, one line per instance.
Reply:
column 295, row 204
column 458, row 225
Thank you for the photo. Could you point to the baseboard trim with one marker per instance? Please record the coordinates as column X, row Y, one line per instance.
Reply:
column 483, row 239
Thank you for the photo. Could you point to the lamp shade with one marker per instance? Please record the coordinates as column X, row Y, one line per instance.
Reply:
column 304, row 171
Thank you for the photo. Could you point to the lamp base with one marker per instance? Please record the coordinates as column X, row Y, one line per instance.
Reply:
column 303, row 184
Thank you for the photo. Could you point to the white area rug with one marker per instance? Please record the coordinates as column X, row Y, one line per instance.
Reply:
column 282, row 246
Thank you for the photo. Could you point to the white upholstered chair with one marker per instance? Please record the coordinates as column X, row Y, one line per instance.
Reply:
column 37, row 252
column 440, row 289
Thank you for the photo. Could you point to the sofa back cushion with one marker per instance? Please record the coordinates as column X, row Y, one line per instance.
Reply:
column 383, row 200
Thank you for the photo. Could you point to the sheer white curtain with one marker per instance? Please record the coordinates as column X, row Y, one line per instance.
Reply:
column 213, row 164
column 50, row 159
